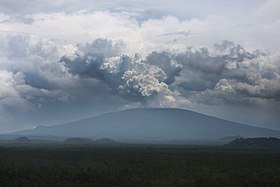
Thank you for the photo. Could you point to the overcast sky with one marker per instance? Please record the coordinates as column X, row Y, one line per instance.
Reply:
column 64, row 60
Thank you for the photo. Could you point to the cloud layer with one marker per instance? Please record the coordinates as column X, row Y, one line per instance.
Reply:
column 37, row 72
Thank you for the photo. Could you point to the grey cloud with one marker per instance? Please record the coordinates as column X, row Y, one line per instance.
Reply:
column 230, row 74
column 130, row 77
column 90, row 58
column 200, row 60
column 31, row 76
column 180, row 33
column 269, row 89
column 164, row 61
column 17, row 94
column 101, row 65
column 36, row 59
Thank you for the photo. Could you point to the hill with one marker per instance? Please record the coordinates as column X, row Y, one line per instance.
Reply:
column 256, row 142
column 152, row 124
column 78, row 141
column 106, row 141
column 22, row 140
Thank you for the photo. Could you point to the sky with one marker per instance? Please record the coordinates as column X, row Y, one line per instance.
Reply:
column 66, row 60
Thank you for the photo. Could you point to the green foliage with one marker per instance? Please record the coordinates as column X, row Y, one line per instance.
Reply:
column 137, row 166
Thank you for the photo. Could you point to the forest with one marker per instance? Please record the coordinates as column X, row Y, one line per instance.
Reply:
column 137, row 165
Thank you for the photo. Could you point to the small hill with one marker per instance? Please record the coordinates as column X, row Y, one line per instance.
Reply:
column 22, row 140
column 228, row 139
column 106, row 141
column 78, row 141
column 256, row 142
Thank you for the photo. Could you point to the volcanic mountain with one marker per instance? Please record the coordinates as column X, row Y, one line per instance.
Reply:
column 151, row 124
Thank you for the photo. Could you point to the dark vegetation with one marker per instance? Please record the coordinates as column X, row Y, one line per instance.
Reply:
column 137, row 165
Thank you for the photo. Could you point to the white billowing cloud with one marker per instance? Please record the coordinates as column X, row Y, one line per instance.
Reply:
column 146, row 82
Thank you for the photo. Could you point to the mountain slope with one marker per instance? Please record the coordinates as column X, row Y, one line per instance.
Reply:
column 152, row 124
